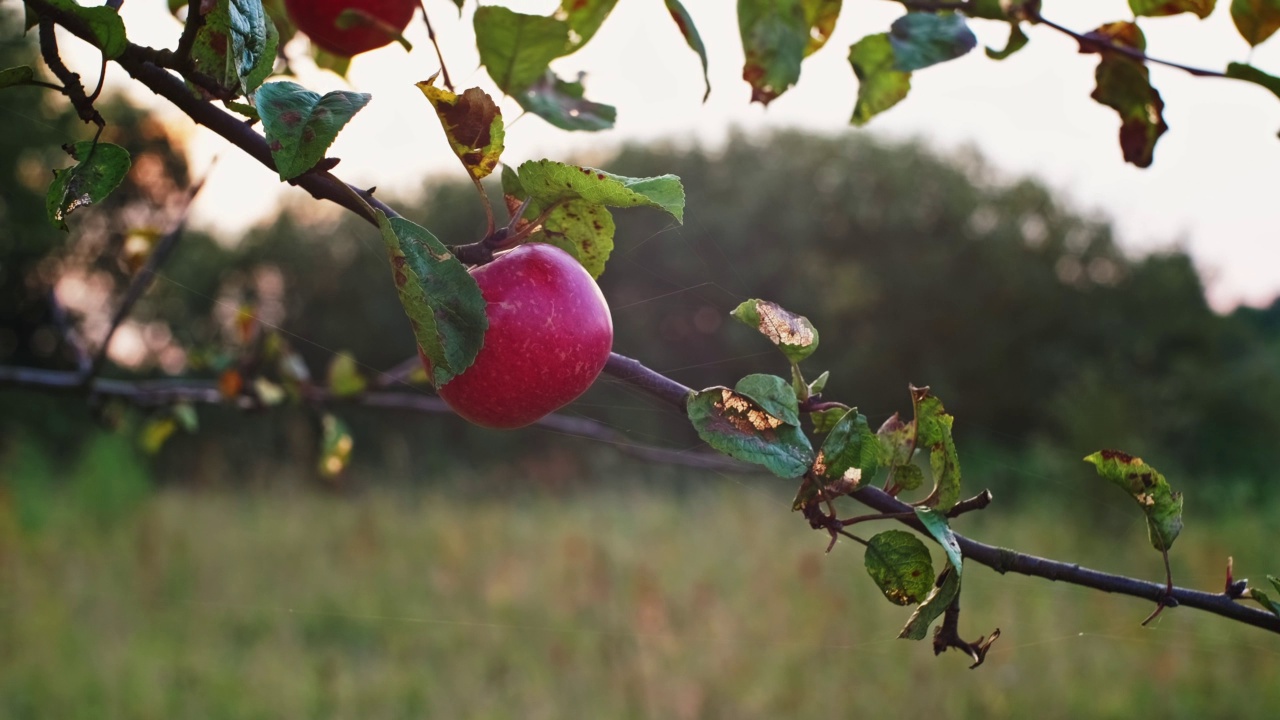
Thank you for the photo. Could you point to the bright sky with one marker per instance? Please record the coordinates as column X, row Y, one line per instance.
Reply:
column 1211, row 190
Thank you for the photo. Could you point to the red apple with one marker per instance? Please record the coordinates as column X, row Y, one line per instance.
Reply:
column 549, row 337
column 319, row 18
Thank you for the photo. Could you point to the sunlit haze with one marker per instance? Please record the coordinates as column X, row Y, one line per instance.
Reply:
column 1211, row 190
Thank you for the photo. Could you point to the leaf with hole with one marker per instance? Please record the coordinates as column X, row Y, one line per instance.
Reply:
column 739, row 428
column 472, row 123
column 100, row 169
column 921, row 39
column 900, row 565
column 440, row 297
column 881, row 85
column 300, row 125
column 584, row 18
column 794, row 335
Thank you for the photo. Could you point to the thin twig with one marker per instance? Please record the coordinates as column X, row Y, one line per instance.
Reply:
column 431, row 33
column 190, row 28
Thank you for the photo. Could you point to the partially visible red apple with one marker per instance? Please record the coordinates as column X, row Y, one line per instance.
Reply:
column 319, row 18
column 549, row 337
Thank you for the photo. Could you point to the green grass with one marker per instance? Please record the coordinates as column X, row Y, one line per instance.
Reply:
column 611, row 604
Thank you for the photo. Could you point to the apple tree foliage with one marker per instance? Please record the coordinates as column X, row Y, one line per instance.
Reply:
column 231, row 49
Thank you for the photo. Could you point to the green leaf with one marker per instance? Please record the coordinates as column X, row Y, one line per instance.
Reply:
column 562, row 104
column 582, row 229
column 691, row 36
column 100, row 169
column 335, row 446
column 817, row 386
column 908, row 477
column 340, row 65
column 793, row 334
column 849, row 445
column 547, row 182
column 1249, row 73
column 584, row 18
column 440, row 297
column 944, row 591
column 900, row 565
column 1256, row 20
column 773, row 394
column 1159, row 503
column 155, row 432
column 825, row 420
column 254, row 40
column 516, row 48
column 821, row 17
column 16, row 76
column 880, row 84
column 1017, row 40
column 1158, row 8
column 921, row 39
column 739, row 428
column 103, row 22
column 236, row 44
column 1124, row 85
column 933, row 433
column 775, row 35
column 185, row 414
column 472, row 123
column 1265, row 600
column 300, row 124
column 936, row 523
column 898, row 440
column 344, row 378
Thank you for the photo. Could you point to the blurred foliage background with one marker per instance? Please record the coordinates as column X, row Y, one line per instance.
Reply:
column 459, row 572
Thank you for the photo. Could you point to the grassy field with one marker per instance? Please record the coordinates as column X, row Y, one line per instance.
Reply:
column 610, row 604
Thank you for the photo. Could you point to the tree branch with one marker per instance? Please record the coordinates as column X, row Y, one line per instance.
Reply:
column 327, row 187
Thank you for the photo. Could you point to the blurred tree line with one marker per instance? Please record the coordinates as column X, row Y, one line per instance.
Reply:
column 1045, row 340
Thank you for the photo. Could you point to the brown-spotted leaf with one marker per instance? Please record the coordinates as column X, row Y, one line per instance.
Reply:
column 821, row 16
column 739, row 428
column 1159, row 8
column 793, row 334
column 1124, row 85
column 775, row 37
column 472, row 122
column 1159, row 503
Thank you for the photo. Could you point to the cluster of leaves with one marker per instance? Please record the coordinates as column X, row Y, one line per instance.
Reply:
column 760, row 421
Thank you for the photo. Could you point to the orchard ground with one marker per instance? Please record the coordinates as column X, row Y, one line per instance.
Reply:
column 636, row 591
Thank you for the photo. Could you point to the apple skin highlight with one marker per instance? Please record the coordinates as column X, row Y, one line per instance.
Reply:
column 549, row 336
